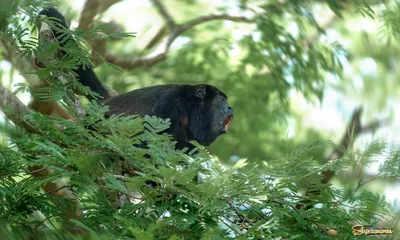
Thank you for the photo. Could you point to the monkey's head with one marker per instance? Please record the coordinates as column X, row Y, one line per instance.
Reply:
column 211, row 114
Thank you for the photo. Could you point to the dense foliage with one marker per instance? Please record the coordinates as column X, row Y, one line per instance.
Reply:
column 157, row 192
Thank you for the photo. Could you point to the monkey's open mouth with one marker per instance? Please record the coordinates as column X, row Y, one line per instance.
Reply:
column 226, row 122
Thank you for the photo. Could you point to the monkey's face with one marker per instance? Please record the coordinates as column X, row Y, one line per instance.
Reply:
column 223, row 114
column 216, row 114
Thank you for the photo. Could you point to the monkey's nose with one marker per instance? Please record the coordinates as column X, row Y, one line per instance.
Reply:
column 230, row 111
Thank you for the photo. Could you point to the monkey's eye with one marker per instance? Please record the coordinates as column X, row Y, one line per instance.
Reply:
column 222, row 99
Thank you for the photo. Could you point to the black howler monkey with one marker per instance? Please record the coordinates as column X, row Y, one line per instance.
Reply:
column 197, row 112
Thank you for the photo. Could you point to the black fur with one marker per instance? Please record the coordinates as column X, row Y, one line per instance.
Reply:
column 197, row 112
column 193, row 116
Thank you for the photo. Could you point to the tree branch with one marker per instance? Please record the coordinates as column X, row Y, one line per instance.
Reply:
column 91, row 9
column 88, row 13
column 213, row 17
column 15, row 110
column 161, row 52
column 353, row 130
column 164, row 13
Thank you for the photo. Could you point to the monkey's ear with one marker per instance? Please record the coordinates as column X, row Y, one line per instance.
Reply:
column 200, row 91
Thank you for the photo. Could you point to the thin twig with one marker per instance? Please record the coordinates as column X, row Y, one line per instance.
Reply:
column 58, row 189
column 240, row 215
